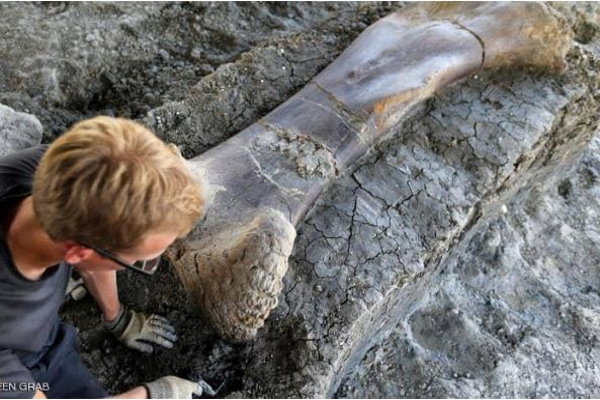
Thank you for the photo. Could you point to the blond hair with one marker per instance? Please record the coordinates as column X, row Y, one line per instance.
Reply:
column 109, row 182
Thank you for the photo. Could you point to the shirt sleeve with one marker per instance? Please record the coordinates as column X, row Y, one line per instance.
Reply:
column 16, row 380
column 18, row 170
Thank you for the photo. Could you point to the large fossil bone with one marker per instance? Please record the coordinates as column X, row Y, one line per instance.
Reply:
column 262, row 182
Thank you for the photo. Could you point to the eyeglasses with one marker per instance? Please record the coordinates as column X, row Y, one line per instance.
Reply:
column 147, row 267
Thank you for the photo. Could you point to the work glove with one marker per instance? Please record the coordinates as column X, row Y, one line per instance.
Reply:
column 139, row 331
column 173, row 387
column 75, row 288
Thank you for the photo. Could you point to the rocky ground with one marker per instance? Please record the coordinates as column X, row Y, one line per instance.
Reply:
column 515, row 309
column 458, row 259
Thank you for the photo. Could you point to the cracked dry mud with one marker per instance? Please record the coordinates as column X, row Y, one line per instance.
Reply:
column 458, row 259
column 514, row 307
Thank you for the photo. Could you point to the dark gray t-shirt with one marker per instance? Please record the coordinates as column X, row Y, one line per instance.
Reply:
column 28, row 309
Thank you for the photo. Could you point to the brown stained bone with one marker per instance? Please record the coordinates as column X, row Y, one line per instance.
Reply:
column 261, row 183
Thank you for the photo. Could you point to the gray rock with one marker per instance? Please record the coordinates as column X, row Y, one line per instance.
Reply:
column 68, row 61
column 18, row 130
column 514, row 311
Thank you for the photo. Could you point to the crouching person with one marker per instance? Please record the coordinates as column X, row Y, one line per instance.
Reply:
column 106, row 195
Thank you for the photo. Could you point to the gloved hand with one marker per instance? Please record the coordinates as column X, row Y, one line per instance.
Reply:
column 75, row 288
column 138, row 331
column 173, row 387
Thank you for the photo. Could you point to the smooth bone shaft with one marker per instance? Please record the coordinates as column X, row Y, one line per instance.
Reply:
column 392, row 66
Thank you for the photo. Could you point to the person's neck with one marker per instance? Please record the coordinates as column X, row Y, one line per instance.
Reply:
column 32, row 250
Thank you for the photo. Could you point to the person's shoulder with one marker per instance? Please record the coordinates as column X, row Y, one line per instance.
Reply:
column 23, row 159
column 17, row 170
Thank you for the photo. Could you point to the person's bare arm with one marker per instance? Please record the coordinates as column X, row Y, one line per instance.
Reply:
column 166, row 387
column 138, row 392
column 103, row 287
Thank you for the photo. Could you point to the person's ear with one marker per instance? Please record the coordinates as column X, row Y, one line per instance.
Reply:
column 76, row 253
